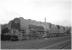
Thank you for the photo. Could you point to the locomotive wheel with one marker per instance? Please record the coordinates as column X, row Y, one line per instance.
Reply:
column 14, row 38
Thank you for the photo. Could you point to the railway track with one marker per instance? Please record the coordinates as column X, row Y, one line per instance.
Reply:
column 50, row 43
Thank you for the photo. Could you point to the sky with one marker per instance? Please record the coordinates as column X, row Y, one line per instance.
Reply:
column 56, row 11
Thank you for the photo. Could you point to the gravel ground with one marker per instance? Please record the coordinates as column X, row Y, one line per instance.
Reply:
column 32, row 44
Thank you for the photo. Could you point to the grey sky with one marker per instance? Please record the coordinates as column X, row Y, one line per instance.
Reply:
column 56, row 11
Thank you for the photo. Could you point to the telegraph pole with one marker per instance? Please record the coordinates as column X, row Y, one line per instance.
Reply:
column 45, row 20
column 45, row 24
column 45, row 27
